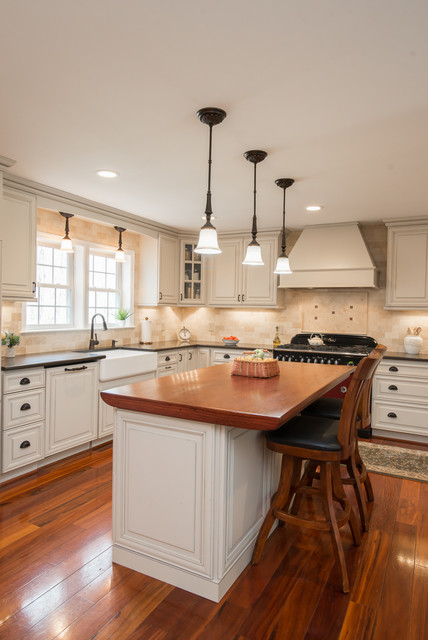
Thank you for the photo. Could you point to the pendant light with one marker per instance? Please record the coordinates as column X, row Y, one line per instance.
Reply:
column 208, row 243
column 254, row 253
column 119, row 256
column 283, row 264
column 66, row 244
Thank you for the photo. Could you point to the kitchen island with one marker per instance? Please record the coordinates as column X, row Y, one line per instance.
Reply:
column 192, row 478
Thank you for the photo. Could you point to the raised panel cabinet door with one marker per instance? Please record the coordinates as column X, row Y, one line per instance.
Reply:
column 18, row 235
column 259, row 282
column 203, row 358
column 71, row 406
column 225, row 274
column 168, row 270
column 407, row 268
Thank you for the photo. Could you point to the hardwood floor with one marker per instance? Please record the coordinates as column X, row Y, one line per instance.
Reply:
column 57, row 579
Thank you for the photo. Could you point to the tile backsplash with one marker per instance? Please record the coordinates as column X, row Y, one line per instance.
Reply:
column 353, row 311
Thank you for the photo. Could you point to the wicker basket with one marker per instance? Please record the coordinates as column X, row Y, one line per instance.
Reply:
column 253, row 368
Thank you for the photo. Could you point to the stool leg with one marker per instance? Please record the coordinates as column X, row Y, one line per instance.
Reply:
column 288, row 467
column 305, row 481
column 345, row 504
column 355, row 475
column 362, row 469
column 329, row 512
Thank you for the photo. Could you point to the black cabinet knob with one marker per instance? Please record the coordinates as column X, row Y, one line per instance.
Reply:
column 391, row 414
column 25, row 444
column 24, row 381
column 226, row 355
column 25, row 406
column 167, row 359
column 392, row 387
column 393, row 368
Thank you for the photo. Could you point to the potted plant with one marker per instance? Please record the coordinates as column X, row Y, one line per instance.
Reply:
column 10, row 340
column 122, row 315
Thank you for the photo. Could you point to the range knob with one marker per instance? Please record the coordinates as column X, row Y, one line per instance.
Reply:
column 328, row 361
column 336, row 362
column 302, row 359
column 308, row 359
column 290, row 358
column 322, row 360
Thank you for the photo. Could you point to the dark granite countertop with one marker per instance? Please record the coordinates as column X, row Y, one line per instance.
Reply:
column 213, row 344
column 53, row 359
column 402, row 355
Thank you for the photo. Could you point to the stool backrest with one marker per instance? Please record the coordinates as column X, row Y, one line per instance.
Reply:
column 364, row 409
column 361, row 379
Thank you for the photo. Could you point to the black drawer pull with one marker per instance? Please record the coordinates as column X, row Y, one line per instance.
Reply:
column 167, row 359
column 76, row 368
column 393, row 368
column 391, row 414
column 169, row 367
column 25, row 381
column 392, row 387
column 226, row 355
column 25, row 444
column 25, row 406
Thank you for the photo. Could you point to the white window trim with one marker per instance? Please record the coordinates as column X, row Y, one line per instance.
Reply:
column 80, row 302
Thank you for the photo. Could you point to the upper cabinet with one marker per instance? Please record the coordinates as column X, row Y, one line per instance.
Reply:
column 191, row 275
column 18, row 235
column 233, row 284
column 407, row 268
column 158, row 271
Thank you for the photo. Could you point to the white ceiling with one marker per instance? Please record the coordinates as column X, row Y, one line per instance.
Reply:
column 336, row 91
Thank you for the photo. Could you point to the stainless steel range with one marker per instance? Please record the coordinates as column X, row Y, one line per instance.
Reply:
column 332, row 348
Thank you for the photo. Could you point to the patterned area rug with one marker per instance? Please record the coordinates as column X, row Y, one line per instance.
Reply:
column 395, row 461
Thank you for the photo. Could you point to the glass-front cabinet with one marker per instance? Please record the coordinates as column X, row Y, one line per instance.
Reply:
column 191, row 274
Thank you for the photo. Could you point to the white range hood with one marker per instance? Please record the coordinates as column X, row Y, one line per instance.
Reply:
column 328, row 256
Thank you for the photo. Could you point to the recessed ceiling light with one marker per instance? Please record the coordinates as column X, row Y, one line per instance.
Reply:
column 314, row 207
column 107, row 173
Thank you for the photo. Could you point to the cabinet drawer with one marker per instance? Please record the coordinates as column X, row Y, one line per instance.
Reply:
column 22, row 445
column 396, row 368
column 220, row 356
column 167, row 358
column 23, row 380
column 400, row 417
column 167, row 370
column 403, row 388
column 22, row 408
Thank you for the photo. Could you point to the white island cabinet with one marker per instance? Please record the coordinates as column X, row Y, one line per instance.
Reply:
column 71, row 406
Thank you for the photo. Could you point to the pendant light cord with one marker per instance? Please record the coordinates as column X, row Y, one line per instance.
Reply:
column 283, row 226
column 254, row 228
column 208, row 208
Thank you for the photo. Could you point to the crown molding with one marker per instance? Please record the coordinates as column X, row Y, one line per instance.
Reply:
column 6, row 163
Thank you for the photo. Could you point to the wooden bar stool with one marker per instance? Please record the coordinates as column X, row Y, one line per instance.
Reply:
column 327, row 443
column 332, row 408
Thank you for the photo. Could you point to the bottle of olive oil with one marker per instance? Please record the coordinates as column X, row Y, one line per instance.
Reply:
column 277, row 339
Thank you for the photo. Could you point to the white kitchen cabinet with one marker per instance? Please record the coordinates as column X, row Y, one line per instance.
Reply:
column 23, row 415
column 407, row 266
column 223, row 356
column 187, row 359
column 158, row 271
column 71, row 406
column 18, row 235
column 204, row 357
column 191, row 275
column 233, row 284
column 400, row 400
column 167, row 363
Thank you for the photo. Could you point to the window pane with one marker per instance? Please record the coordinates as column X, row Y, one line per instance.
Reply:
column 111, row 281
column 44, row 275
column 60, row 258
column 60, row 275
column 92, row 299
column 99, row 280
column 46, row 296
column 62, row 297
column 102, row 298
column 113, row 300
column 44, row 255
column 91, row 279
column 62, row 316
column 32, row 314
column 47, row 315
column 99, row 263
column 111, row 265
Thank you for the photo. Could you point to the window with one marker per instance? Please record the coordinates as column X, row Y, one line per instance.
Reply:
column 104, row 290
column 71, row 288
column 54, row 289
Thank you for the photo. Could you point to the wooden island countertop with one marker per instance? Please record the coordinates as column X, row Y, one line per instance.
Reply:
column 213, row 395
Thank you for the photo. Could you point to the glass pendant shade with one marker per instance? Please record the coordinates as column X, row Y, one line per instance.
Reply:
column 282, row 266
column 253, row 255
column 208, row 242
column 119, row 256
column 66, row 245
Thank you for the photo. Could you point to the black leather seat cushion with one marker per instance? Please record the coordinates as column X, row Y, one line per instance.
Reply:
column 307, row 432
column 325, row 408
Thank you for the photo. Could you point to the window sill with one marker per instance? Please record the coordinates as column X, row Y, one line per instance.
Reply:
column 73, row 330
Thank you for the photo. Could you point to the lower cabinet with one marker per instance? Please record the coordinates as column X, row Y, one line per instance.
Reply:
column 400, row 400
column 71, row 406
column 222, row 356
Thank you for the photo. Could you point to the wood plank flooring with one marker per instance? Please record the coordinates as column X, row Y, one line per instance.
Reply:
column 57, row 579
